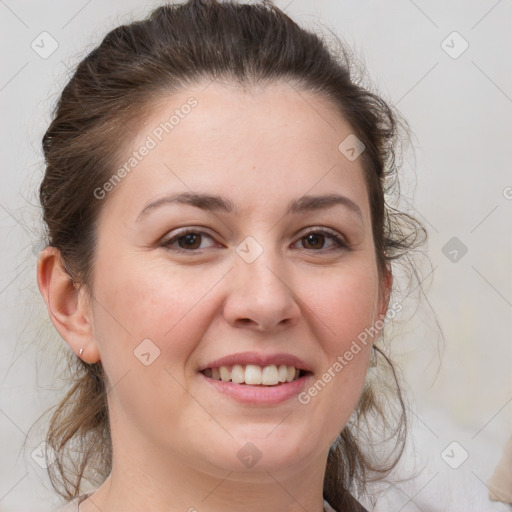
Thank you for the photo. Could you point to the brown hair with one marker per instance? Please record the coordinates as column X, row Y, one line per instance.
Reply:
column 103, row 103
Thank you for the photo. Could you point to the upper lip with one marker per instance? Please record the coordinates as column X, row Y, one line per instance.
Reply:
column 259, row 359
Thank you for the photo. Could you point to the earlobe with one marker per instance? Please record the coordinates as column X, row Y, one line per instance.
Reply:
column 67, row 306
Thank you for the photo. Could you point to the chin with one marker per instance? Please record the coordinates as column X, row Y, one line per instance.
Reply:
column 264, row 450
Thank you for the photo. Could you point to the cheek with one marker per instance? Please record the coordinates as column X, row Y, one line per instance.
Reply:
column 136, row 303
column 343, row 309
column 165, row 305
column 343, row 304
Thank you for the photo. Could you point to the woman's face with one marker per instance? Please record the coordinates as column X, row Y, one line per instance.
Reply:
column 240, row 236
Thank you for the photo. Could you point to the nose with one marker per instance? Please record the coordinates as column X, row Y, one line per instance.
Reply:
column 261, row 295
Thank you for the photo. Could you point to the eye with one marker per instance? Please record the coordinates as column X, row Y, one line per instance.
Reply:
column 192, row 240
column 187, row 240
column 316, row 239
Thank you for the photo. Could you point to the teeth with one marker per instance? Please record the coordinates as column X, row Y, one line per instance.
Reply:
column 237, row 374
column 225, row 374
column 283, row 373
column 253, row 374
column 270, row 375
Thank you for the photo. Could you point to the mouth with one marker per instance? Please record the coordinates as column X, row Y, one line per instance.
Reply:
column 256, row 375
column 257, row 378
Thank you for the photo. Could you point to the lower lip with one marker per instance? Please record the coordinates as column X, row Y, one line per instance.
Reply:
column 259, row 395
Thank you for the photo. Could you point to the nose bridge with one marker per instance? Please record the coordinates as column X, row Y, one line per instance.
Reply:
column 261, row 291
column 260, row 268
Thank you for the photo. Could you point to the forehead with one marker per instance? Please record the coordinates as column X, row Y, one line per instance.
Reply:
column 259, row 146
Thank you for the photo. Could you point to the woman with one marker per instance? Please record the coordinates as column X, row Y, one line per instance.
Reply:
column 219, row 260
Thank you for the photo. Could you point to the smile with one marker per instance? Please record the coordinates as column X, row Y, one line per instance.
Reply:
column 255, row 375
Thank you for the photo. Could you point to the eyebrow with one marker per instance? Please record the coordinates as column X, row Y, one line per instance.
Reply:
column 217, row 203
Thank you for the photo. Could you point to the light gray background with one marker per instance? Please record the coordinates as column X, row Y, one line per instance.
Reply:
column 460, row 112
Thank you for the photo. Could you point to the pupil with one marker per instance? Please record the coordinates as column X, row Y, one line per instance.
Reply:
column 314, row 240
column 189, row 241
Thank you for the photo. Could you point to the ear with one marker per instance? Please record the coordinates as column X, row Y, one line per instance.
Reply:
column 386, row 285
column 67, row 304
column 381, row 309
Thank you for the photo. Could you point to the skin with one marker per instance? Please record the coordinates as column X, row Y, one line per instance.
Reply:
column 175, row 438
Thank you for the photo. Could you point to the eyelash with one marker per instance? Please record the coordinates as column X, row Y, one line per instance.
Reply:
column 340, row 243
